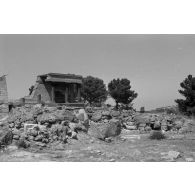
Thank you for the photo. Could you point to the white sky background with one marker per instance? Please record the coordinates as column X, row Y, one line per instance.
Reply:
column 155, row 64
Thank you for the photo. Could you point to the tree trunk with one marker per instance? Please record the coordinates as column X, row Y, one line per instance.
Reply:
column 117, row 105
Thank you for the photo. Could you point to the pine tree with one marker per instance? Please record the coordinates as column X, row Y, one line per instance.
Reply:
column 187, row 105
column 120, row 90
column 93, row 90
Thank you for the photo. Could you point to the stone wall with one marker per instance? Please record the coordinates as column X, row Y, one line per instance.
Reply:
column 42, row 89
column 3, row 95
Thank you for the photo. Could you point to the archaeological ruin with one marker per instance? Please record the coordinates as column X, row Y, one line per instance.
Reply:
column 3, row 95
column 57, row 89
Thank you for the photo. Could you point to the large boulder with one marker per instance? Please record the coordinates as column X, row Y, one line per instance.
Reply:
column 68, row 115
column 16, row 131
column 82, row 115
column 27, row 117
column 89, row 109
column 47, row 118
column 105, row 130
column 164, row 126
column 56, row 116
column 139, row 119
column 106, row 113
column 83, row 118
column 115, row 113
column 96, row 116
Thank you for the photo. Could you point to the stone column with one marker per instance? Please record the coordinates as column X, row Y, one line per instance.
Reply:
column 71, row 93
column 66, row 94
column 79, row 93
column 52, row 94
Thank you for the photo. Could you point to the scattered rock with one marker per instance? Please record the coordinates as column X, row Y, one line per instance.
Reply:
column 148, row 128
column 39, row 138
column 6, row 137
column 16, row 131
column 189, row 159
column 188, row 126
column 106, row 113
column 130, row 123
column 33, row 132
column 171, row 155
column 16, row 137
column 72, row 126
column 132, row 127
column 142, row 126
column 112, row 160
column 178, row 124
column 108, row 139
column 74, row 135
column 31, row 138
column 157, row 125
column 40, row 144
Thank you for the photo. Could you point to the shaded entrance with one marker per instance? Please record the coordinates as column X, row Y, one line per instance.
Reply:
column 66, row 93
column 59, row 96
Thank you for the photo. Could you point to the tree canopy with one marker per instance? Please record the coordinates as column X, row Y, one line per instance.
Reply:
column 120, row 90
column 93, row 90
column 187, row 105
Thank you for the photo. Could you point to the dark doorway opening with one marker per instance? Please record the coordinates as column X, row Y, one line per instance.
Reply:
column 59, row 97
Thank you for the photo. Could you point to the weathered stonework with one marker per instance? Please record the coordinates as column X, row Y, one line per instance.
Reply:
column 42, row 89
column 56, row 88
column 3, row 95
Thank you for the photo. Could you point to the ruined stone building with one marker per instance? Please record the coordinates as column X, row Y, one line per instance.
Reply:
column 3, row 95
column 56, row 88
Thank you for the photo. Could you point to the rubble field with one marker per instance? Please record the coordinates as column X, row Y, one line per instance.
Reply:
column 42, row 133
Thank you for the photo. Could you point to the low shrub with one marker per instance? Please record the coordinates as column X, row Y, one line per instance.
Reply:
column 158, row 135
column 23, row 143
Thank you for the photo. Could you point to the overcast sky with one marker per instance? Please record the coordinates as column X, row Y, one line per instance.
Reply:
column 155, row 64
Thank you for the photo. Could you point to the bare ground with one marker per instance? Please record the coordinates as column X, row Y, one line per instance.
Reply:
column 131, row 147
